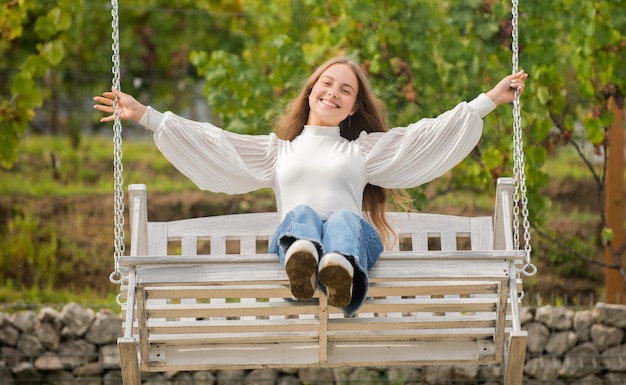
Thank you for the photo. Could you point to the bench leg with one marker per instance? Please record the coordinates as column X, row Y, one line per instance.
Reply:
column 514, row 360
column 129, row 359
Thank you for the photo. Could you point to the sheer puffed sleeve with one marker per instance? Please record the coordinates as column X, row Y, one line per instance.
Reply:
column 212, row 158
column 409, row 156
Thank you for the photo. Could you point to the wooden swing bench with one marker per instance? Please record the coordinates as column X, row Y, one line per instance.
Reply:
column 230, row 307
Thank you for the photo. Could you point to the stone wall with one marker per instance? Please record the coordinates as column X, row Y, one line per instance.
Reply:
column 78, row 346
column 577, row 347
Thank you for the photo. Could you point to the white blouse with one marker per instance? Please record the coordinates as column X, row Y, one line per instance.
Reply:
column 319, row 168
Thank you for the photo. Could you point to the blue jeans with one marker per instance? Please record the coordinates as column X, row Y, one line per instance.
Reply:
column 344, row 232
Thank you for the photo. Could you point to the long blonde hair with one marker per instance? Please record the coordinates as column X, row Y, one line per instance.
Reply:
column 370, row 116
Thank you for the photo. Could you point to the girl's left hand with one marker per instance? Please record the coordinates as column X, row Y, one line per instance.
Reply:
column 504, row 91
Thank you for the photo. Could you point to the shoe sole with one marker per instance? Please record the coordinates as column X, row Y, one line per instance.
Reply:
column 338, row 283
column 301, row 267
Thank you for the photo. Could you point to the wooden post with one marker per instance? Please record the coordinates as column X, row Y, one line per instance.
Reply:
column 614, row 202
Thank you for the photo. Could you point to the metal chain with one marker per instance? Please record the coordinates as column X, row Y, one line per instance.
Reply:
column 116, row 276
column 519, row 197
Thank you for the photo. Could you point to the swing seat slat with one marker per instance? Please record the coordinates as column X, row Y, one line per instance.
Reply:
column 222, row 302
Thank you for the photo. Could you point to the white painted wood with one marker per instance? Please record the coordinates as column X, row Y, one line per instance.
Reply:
column 277, row 317
column 210, row 326
column 514, row 365
column 268, row 272
column 151, row 238
column 189, row 246
column 221, row 291
column 481, row 234
column 160, row 259
column 503, row 214
column 138, row 219
column 419, row 241
column 299, row 355
column 232, row 308
column 218, row 244
column 247, row 245
column 231, row 225
column 158, row 239
column 250, row 300
column 143, row 335
column 448, row 241
column 131, row 375
column 443, row 351
column 234, row 355
column 383, row 288
column 220, row 301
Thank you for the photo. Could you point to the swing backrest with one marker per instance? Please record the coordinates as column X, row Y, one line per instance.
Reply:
column 251, row 233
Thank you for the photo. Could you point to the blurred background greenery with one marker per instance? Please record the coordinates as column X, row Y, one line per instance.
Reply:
column 237, row 63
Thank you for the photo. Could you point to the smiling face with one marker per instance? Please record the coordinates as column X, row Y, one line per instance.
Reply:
column 333, row 96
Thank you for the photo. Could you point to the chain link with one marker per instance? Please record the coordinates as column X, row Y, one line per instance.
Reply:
column 116, row 276
column 520, row 198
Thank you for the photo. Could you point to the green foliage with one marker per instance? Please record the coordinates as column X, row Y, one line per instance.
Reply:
column 423, row 57
column 559, row 255
column 49, row 42
column 28, row 253
column 227, row 72
column 607, row 235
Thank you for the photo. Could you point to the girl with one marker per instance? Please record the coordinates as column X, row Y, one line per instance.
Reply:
column 329, row 162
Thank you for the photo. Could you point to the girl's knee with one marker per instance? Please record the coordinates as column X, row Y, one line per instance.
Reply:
column 344, row 216
column 302, row 210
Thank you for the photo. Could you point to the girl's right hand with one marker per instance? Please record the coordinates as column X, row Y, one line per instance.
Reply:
column 128, row 107
column 504, row 91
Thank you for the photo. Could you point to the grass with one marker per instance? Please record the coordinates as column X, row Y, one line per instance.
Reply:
column 16, row 300
column 464, row 201
column 49, row 166
column 567, row 163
